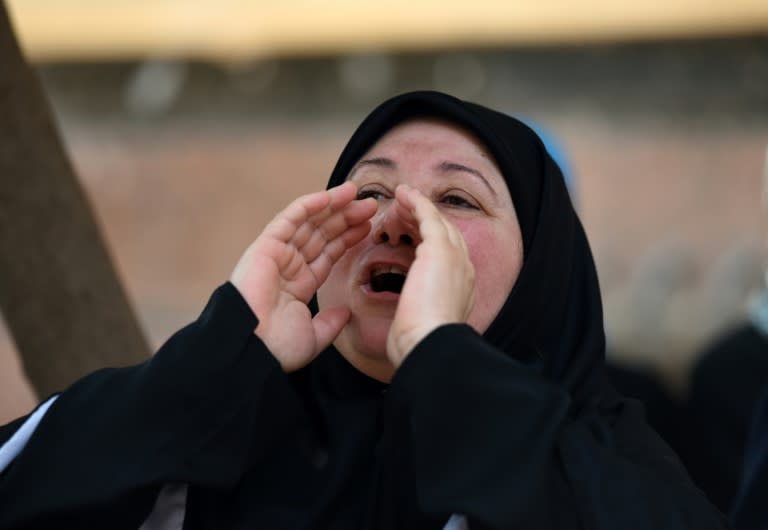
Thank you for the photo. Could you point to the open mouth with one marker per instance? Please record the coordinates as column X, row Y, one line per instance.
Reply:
column 388, row 278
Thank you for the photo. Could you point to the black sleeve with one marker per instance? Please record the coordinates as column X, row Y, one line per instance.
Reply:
column 750, row 510
column 494, row 441
column 200, row 411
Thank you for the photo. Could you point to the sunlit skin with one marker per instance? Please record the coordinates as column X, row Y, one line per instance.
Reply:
column 445, row 213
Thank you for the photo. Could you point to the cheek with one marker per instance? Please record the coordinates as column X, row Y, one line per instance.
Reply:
column 493, row 263
column 497, row 257
column 488, row 249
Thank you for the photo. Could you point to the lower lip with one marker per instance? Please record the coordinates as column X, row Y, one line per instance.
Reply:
column 384, row 296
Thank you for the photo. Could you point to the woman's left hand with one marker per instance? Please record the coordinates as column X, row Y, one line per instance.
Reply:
column 440, row 285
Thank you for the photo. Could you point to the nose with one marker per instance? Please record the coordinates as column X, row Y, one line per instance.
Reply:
column 392, row 229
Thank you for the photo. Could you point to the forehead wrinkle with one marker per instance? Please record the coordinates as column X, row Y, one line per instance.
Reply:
column 447, row 167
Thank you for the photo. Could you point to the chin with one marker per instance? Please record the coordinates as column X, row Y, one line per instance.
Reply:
column 364, row 345
column 366, row 337
column 372, row 343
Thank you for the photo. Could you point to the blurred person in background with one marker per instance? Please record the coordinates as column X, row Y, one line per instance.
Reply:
column 709, row 426
column 724, row 407
column 750, row 511
column 727, row 380
column 430, row 355
column 725, row 383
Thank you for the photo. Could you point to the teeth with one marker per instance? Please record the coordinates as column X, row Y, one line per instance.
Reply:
column 384, row 269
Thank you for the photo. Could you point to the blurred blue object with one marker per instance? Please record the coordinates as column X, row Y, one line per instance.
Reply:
column 558, row 153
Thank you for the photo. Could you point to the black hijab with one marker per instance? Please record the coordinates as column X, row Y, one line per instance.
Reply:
column 553, row 314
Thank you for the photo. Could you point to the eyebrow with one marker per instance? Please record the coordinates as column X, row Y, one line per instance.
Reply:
column 447, row 167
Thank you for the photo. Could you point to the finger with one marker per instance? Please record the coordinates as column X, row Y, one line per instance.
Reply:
column 321, row 265
column 404, row 206
column 453, row 233
column 359, row 211
column 337, row 247
column 315, row 226
column 318, row 205
column 342, row 194
column 352, row 215
column 431, row 223
column 285, row 225
column 335, row 217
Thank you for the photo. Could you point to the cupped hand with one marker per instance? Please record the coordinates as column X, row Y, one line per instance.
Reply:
column 439, row 288
column 283, row 268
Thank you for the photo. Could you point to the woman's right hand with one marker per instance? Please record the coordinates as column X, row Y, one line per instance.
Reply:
column 283, row 268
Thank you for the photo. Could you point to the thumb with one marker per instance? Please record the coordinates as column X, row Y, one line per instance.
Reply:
column 328, row 323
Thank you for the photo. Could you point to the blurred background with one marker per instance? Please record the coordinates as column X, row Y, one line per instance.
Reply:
column 190, row 123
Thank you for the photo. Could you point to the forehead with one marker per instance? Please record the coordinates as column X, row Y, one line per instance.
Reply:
column 429, row 135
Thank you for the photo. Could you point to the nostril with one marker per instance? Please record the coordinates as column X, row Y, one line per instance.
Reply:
column 402, row 239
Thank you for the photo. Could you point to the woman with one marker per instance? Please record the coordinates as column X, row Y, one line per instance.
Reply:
column 452, row 378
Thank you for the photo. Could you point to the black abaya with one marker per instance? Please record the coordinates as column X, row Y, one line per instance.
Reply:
column 513, row 429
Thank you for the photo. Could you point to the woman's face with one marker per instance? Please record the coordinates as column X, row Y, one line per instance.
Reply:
column 452, row 168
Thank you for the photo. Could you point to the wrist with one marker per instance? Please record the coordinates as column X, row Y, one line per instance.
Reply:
column 400, row 345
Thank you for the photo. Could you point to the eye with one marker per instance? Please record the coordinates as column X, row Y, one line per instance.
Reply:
column 372, row 193
column 458, row 201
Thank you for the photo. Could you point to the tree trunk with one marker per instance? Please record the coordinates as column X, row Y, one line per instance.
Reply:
column 59, row 292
